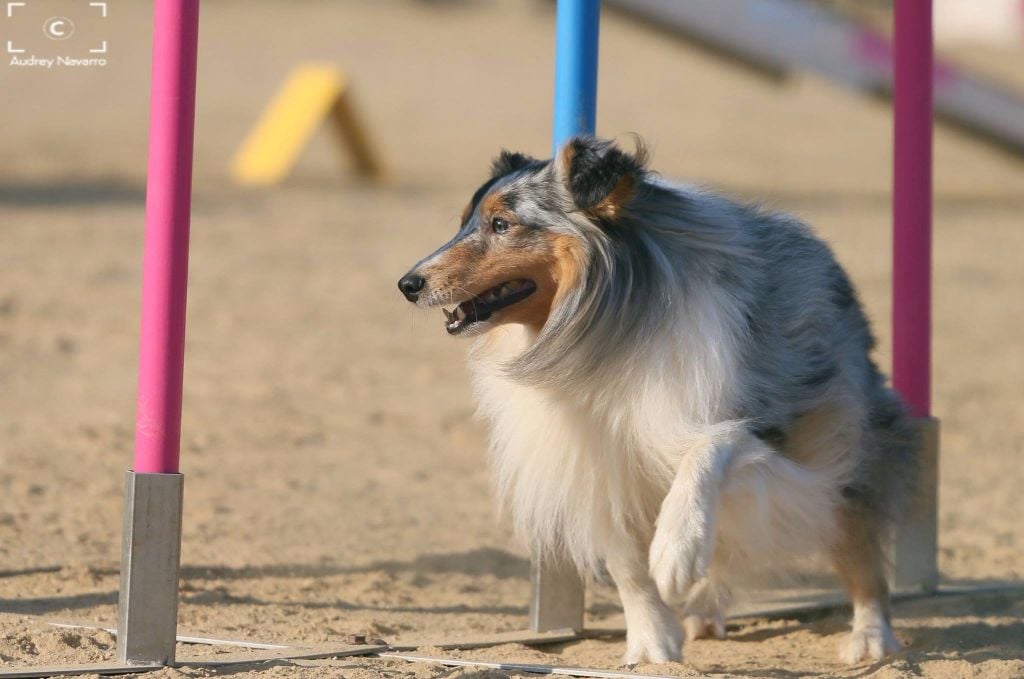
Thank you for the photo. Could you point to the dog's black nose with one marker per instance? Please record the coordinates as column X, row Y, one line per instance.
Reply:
column 410, row 285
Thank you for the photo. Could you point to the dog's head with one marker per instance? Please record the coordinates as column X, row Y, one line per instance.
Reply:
column 520, row 246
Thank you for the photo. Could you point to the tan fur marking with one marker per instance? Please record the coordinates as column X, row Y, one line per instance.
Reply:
column 492, row 204
column 564, row 164
column 445, row 273
column 859, row 560
column 823, row 435
column 611, row 206
column 552, row 261
column 554, row 267
column 568, row 260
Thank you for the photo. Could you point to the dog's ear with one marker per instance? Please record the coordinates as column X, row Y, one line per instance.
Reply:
column 600, row 177
column 508, row 162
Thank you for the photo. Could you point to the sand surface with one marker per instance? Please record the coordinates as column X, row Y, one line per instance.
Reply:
column 336, row 480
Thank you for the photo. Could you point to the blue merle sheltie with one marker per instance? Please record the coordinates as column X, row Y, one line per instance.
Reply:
column 679, row 389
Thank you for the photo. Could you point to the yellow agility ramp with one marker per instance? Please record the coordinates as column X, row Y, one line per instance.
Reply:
column 312, row 94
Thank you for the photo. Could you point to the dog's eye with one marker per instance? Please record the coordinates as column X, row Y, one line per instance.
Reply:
column 499, row 224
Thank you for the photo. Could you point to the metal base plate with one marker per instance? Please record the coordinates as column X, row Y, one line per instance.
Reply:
column 147, row 614
column 557, row 594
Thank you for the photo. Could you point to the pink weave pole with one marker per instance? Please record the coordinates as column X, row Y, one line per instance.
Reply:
column 912, row 203
column 165, row 261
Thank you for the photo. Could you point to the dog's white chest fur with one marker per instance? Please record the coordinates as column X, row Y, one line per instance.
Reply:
column 578, row 470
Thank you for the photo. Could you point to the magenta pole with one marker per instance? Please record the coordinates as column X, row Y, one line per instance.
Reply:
column 165, row 261
column 912, row 203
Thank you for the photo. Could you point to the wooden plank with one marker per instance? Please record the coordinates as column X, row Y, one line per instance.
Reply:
column 351, row 132
column 181, row 638
column 75, row 670
column 312, row 95
column 286, row 127
column 522, row 667
column 527, row 637
column 291, row 653
column 782, row 603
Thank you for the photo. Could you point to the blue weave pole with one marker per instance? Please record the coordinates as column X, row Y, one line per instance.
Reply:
column 576, row 34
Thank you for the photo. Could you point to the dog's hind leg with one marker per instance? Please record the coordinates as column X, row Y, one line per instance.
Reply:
column 704, row 615
column 653, row 633
column 737, row 508
column 859, row 560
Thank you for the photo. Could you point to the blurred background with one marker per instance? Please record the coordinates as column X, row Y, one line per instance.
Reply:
column 336, row 478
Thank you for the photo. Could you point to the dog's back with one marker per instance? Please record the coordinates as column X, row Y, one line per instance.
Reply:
column 809, row 348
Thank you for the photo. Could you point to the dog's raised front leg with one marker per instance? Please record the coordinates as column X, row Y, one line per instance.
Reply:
column 684, row 536
column 653, row 633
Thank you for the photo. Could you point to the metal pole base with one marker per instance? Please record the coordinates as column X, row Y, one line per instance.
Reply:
column 556, row 602
column 147, row 615
column 915, row 544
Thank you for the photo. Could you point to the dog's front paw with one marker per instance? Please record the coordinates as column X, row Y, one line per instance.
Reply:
column 655, row 643
column 870, row 643
column 680, row 552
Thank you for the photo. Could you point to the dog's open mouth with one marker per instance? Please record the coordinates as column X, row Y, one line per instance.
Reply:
column 480, row 307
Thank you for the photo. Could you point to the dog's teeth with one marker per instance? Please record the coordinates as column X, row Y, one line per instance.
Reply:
column 449, row 316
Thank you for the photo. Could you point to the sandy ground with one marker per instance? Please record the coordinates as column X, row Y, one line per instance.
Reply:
column 336, row 481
